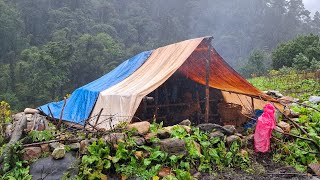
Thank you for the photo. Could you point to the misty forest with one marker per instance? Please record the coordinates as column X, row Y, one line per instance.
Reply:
column 49, row 48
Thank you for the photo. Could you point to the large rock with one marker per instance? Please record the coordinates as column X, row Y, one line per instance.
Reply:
column 274, row 93
column 315, row 167
column 173, row 146
column 53, row 169
column 284, row 126
column 209, row 127
column 314, row 99
column 9, row 130
column 170, row 128
column 149, row 136
column 142, row 127
column 288, row 100
column 31, row 153
column 59, row 152
column 45, row 147
column 163, row 134
column 17, row 117
column 114, row 138
column 74, row 146
column 139, row 140
column 185, row 122
column 233, row 138
column 164, row 172
column 55, row 145
column 31, row 111
column 216, row 134
column 84, row 146
column 230, row 128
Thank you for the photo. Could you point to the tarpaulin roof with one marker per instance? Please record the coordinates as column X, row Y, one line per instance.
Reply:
column 81, row 102
column 120, row 92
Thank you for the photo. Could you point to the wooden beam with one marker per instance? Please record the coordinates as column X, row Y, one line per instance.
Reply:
column 207, row 109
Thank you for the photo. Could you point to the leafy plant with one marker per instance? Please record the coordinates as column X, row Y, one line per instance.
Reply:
column 13, row 167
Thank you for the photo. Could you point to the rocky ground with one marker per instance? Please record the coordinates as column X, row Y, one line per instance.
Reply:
column 52, row 159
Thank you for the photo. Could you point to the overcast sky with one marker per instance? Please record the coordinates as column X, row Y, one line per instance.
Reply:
column 312, row 5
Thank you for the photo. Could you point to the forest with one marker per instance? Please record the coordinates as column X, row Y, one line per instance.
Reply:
column 50, row 47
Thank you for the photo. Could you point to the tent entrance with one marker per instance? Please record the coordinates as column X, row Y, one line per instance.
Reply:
column 181, row 98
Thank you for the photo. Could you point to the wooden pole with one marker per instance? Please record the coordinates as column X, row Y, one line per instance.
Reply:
column 207, row 84
column 252, row 104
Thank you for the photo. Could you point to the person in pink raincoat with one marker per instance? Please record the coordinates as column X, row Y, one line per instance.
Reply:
column 266, row 123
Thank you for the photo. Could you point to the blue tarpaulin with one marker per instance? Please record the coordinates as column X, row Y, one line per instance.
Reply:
column 81, row 102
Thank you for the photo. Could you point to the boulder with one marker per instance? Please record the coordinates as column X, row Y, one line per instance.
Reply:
column 45, row 147
column 164, row 172
column 55, row 145
column 209, row 127
column 84, row 146
column 74, row 146
column 185, row 122
column 288, row 100
column 173, row 146
column 284, row 126
column 8, row 131
column 54, row 169
column 216, row 134
column 31, row 153
column 163, row 134
column 315, row 167
column 233, row 138
column 139, row 140
column 31, row 111
column 59, row 152
column 247, row 140
column 114, row 138
column 149, row 136
column 187, row 128
column 274, row 93
column 169, row 128
column 230, row 128
column 314, row 99
column 17, row 116
column 278, row 129
column 142, row 127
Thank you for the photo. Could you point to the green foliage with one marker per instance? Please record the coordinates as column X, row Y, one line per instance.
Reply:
column 303, row 48
column 301, row 62
column 256, row 65
column 13, row 168
column 288, row 82
column 5, row 114
column 129, row 160
column 44, row 135
column 298, row 152
column 97, row 162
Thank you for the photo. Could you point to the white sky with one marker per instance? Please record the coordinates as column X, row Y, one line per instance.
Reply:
column 312, row 5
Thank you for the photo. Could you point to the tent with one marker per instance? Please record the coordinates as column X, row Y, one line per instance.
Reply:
column 119, row 93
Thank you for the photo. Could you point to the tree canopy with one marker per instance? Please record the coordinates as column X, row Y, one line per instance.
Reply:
column 49, row 48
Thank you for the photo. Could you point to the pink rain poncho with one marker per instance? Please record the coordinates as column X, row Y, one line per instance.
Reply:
column 266, row 123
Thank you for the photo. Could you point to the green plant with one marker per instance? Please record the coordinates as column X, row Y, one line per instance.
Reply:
column 44, row 135
column 97, row 162
column 13, row 167
column 298, row 152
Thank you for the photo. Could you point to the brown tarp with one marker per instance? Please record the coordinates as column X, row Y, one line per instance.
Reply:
column 188, row 57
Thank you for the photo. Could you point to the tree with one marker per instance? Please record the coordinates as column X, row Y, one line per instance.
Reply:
column 301, row 62
column 256, row 65
column 285, row 53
